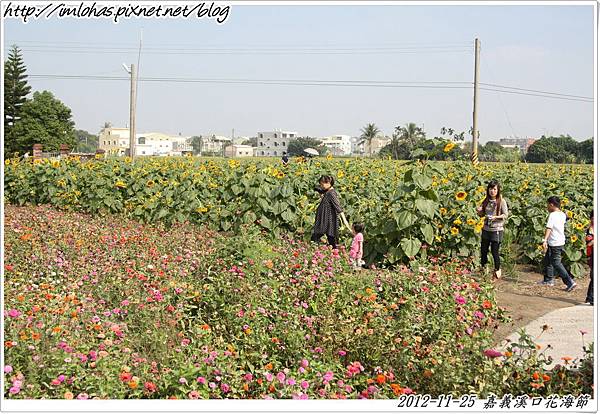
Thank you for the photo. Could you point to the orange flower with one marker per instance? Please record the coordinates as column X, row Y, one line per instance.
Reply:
column 566, row 359
column 380, row 379
column 260, row 381
column 536, row 376
column 35, row 336
column 8, row 344
column 427, row 373
column 205, row 327
column 68, row 395
column 536, row 385
column 487, row 304
column 269, row 264
column 508, row 354
column 245, row 386
column 397, row 389
column 132, row 384
column 271, row 388
column 269, row 366
column 20, row 298
column 546, row 378
column 56, row 329
column 26, row 236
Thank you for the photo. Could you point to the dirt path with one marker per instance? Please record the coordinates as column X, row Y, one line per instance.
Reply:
column 527, row 301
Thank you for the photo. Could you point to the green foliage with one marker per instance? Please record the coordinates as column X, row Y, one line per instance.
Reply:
column 16, row 90
column 44, row 120
column 559, row 150
column 86, row 142
column 429, row 204
column 297, row 145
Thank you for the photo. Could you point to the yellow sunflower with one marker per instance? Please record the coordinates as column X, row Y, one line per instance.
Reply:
column 454, row 231
column 471, row 222
column 443, row 211
column 569, row 214
column 449, row 147
column 458, row 222
column 573, row 239
column 461, row 195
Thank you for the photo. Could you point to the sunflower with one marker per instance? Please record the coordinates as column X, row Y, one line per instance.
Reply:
column 578, row 226
column 449, row 147
column 461, row 195
column 457, row 222
column 471, row 222
column 454, row 231
column 569, row 214
column 443, row 211
column 478, row 228
column 573, row 239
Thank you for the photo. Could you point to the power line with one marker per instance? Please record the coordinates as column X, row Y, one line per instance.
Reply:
column 537, row 91
column 291, row 82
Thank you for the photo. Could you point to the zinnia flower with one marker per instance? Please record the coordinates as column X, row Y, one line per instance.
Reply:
column 461, row 195
column 492, row 353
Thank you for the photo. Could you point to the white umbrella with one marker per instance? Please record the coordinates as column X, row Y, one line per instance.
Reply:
column 311, row 151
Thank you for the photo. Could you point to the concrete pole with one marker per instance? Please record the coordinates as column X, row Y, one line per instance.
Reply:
column 474, row 158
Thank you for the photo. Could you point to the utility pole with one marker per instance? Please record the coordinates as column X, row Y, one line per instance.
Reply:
column 132, row 112
column 474, row 158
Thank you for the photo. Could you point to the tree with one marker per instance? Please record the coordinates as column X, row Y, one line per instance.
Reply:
column 395, row 149
column 585, row 151
column 16, row 90
column 196, row 141
column 296, row 146
column 44, row 120
column 410, row 135
column 367, row 134
column 253, row 141
column 561, row 150
column 86, row 142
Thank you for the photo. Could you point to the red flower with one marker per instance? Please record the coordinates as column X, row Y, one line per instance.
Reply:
column 150, row 386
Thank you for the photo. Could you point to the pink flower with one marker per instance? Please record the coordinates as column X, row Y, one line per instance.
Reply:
column 304, row 363
column 225, row 388
column 125, row 303
column 478, row 314
column 300, row 396
column 328, row 376
column 82, row 396
column 291, row 381
column 194, row 395
column 460, row 300
column 407, row 390
column 14, row 390
column 304, row 384
column 280, row 377
column 201, row 380
column 61, row 378
column 248, row 377
column 269, row 376
column 492, row 353
column 13, row 313
column 341, row 353
column 8, row 369
column 182, row 380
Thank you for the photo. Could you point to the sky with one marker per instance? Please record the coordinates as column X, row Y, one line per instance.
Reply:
column 546, row 48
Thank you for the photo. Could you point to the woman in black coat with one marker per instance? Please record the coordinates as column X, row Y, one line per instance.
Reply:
column 326, row 220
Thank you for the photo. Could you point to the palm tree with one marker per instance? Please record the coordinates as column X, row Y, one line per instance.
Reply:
column 368, row 133
column 410, row 134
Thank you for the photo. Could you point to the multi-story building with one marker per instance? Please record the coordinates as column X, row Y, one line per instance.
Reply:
column 361, row 146
column 214, row 143
column 114, row 141
column 338, row 144
column 274, row 143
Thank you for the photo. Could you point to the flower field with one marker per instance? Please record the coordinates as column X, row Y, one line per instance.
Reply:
column 100, row 306
column 410, row 210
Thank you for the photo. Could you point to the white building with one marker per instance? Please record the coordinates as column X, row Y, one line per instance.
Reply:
column 360, row 146
column 114, row 141
column 238, row 150
column 274, row 143
column 214, row 143
column 338, row 144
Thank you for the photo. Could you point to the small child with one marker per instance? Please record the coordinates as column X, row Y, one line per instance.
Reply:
column 356, row 251
column 589, row 243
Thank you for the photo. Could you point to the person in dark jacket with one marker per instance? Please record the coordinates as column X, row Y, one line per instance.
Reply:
column 326, row 220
